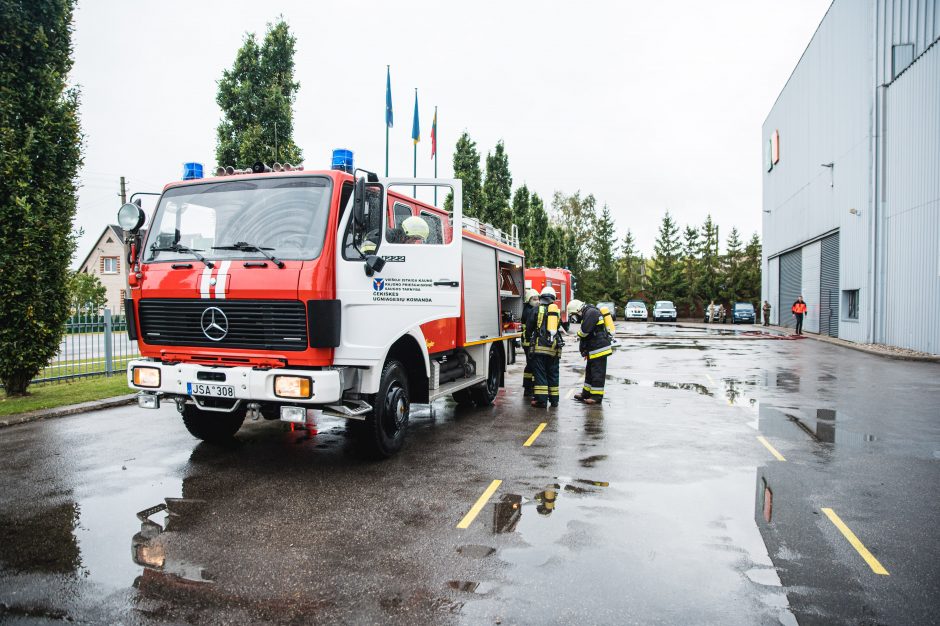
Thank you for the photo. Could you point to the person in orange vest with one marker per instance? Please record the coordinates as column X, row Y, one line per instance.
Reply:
column 799, row 310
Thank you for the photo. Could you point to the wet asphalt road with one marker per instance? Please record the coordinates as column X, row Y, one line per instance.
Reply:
column 662, row 506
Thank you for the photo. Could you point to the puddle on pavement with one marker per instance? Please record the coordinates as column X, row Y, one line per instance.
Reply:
column 474, row 551
column 468, row 586
column 148, row 547
column 591, row 460
column 676, row 346
column 822, row 427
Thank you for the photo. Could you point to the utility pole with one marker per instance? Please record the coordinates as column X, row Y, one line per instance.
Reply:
column 123, row 192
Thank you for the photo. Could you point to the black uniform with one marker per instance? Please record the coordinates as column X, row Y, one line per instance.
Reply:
column 528, row 378
column 545, row 345
column 595, row 344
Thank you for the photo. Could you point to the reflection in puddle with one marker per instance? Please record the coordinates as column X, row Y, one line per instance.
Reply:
column 148, row 548
column 697, row 388
column 44, row 542
column 822, row 428
column 470, row 586
column 507, row 512
column 591, row 460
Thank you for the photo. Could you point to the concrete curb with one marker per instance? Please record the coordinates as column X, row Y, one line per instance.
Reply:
column 71, row 409
column 783, row 330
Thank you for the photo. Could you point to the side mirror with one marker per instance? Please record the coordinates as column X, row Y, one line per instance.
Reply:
column 131, row 217
column 359, row 204
column 374, row 264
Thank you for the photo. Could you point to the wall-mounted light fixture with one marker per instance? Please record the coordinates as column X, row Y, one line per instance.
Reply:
column 855, row 212
column 832, row 167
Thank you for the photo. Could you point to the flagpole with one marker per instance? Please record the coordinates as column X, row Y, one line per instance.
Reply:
column 388, row 70
column 436, row 134
column 414, row 190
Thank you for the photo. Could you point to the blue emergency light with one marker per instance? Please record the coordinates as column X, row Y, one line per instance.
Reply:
column 192, row 171
column 343, row 160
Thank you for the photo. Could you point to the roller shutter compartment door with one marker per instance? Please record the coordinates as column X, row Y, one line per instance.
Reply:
column 829, row 287
column 791, row 282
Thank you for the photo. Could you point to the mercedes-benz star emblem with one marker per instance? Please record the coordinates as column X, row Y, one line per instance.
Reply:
column 214, row 324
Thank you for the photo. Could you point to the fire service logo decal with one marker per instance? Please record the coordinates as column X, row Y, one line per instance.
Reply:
column 378, row 284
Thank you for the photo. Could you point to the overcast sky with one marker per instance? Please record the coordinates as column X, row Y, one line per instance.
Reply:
column 647, row 105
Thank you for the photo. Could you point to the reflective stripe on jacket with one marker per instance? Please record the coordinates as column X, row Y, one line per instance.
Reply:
column 542, row 330
column 595, row 340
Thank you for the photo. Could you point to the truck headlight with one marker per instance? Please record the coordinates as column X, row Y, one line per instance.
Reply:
column 147, row 376
column 292, row 386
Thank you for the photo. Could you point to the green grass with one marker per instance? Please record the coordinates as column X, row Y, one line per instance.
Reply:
column 51, row 395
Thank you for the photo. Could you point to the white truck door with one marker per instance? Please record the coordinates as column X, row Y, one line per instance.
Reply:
column 419, row 283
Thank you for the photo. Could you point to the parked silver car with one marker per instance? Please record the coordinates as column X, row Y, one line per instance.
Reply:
column 635, row 310
column 664, row 310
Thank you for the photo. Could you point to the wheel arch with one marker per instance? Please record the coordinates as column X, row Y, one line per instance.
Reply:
column 413, row 356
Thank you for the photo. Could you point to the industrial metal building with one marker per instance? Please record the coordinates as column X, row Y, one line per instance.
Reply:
column 851, row 178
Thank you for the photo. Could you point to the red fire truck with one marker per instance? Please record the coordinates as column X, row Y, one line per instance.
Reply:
column 278, row 292
column 558, row 278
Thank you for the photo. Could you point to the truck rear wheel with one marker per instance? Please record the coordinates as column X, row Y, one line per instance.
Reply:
column 383, row 432
column 211, row 426
column 485, row 393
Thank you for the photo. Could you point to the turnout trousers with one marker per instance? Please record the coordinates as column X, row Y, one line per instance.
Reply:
column 528, row 375
column 545, row 367
column 595, row 375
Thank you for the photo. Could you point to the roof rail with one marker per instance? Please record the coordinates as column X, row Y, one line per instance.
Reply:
column 491, row 232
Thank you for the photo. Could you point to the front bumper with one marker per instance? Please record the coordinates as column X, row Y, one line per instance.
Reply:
column 248, row 383
column 636, row 315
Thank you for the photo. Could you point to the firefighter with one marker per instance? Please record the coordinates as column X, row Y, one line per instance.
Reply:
column 595, row 345
column 412, row 230
column 545, row 343
column 528, row 309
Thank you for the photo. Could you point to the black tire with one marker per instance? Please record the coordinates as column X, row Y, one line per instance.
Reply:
column 463, row 397
column 383, row 432
column 485, row 393
column 212, row 426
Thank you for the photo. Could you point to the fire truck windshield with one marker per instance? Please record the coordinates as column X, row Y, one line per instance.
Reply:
column 287, row 216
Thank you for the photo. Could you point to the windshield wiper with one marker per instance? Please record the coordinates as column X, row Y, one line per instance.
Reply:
column 250, row 247
column 178, row 247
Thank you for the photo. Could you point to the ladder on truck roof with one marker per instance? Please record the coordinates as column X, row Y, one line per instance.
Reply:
column 489, row 231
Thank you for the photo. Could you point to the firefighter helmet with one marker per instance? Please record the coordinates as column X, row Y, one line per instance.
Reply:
column 531, row 293
column 368, row 247
column 575, row 306
column 415, row 228
column 548, row 290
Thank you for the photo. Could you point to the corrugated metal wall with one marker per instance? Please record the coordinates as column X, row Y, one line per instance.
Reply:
column 791, row 284
column 915, row 22
column 810, row 288
column 912, row 206
column 829, row 294
column 824, row 115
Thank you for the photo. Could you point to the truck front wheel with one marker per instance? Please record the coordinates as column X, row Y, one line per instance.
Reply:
column 211, row 426
column 383, row 432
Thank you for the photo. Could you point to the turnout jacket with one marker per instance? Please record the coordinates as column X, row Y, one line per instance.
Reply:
column 527, row 311
column 593, row 335
column 541, row 329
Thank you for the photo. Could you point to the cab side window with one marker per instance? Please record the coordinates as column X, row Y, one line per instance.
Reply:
column 436, row 229
column 372, row 237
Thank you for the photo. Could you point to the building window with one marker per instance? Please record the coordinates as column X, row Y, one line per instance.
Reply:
column 850, row 304
column 109, row 265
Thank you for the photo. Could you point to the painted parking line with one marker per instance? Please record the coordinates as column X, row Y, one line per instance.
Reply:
column 772, row 449
column 479, row 504
column 570, row 393
column 873, row 563
column 534, row 435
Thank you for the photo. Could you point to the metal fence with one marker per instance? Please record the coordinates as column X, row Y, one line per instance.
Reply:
column 93, row 345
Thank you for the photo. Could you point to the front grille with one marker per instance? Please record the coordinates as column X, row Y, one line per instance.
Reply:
column 252, row 324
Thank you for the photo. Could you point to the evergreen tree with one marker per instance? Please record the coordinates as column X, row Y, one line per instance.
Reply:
column 604, row 283
column 536, row 241
column 467, row 169
column 520, row 213
column 555, row 247
column 40, row 140
column 497, row 188
column 630, row 268
column 690, row 271
column 752, row 270
column 733, row 279
column 257, row 97
column 709, row 263
column 666, row 275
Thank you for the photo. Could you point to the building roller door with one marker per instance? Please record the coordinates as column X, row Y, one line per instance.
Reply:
column 829, row 287
column 791, row 282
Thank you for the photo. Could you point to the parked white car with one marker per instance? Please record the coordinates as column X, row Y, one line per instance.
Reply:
column 635, row 310
column 664, row 310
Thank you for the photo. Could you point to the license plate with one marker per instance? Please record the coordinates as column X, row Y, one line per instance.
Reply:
column 214, row 391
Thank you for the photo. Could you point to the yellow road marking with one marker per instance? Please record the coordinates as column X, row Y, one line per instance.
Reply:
column 710, row 379
column 772, row 449
column 570, row 394
column 535, row 435
column 859, row 547
column 480, row 503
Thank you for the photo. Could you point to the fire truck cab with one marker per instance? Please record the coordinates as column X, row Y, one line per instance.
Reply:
column 278, row 293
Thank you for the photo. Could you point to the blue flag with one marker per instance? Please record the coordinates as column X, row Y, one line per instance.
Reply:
column 415, row 127
column 389, row 118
